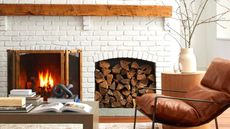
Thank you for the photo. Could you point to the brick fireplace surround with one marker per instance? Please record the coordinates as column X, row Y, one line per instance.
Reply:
column 99, row 37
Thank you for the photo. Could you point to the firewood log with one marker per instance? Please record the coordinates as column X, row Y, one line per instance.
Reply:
column 125, row 81
column 133, row 81
column 124, row 64
column 123, row 102
column 98, row 74
column 119, row 77
column 128, row 87
column 118, row 95
column 113, row 86
column 135, row 65
column 141, row 77
column 151, row 77
column 106, row 71
column 116, row 69
column 104, row 64
column 131, row 73
column 125, row 92
column 119, row 86
column 110, row 93
column 98, row 96
column 104, row 84
column 147, row 69
column 109, row 78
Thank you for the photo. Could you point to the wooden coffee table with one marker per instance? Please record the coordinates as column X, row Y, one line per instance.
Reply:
column 89, row 120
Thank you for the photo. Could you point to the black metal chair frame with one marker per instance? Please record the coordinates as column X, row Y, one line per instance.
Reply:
column 169, row 97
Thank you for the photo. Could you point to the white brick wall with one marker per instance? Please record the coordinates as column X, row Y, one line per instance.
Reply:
column 99, row 38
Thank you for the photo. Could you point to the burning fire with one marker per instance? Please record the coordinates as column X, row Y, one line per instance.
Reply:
column 46, row 79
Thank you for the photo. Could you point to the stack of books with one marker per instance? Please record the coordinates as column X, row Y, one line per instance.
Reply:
column 31, row 97
column 14, row 104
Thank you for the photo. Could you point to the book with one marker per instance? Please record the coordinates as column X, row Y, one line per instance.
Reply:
column 21, row 92
column 12, row 101
column 24, row 108
column 59, row 107
column 22, row 95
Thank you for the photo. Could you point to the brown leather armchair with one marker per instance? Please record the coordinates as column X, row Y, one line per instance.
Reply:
column 198, row 106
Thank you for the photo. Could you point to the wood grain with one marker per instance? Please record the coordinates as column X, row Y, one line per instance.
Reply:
column 83, row 10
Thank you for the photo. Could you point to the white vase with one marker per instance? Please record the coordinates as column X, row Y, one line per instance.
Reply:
column 187, row 60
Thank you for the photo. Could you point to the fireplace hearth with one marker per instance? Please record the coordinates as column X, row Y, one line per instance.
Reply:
column 42, row 70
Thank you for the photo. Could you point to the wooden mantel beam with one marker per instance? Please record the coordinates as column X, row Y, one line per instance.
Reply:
column 83, row 10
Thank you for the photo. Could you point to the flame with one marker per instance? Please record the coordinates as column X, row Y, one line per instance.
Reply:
column 46, row 79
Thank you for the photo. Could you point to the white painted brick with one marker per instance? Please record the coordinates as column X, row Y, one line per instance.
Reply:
column 5, row 38
column 115, row 43
column 25, row 33
column 115, row 2
column 101, row 2
column 51, row 28
column 74, row 1
column 73, row 33
column 116, row 33
column 15, row 28
column 42, row 1
column 131, row 43
column 108, row 48
column 100, row 33
column 86, row 43
column 128, row 48
column 62, row 43
column 115, row 54
column 27, row 1
column 66, row 38
column 10, row 1
column 133, row 33
column 27, row 43
column 92, row 38
column 12, row 44
column 58, row 1
column 89, row 2
column 51, row 38
column 124, row 38
column 140, row 38
column 131, row 2
column 125, row 27
column 130, row 53
column 67, row 28
column 19, row 38
column 108, row 27
column 35, row 38
column 95, row 48
column 99, row 43
column 34, row 28
column 120, row 54
column 108, row 38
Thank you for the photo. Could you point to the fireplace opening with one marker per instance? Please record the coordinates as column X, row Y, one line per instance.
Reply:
column 118, row 81
column 43, row 70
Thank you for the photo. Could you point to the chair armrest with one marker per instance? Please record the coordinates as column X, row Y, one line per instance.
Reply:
column 185, row 99
column 169, row 90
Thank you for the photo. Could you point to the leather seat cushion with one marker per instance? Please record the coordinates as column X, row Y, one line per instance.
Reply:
column 169, row 110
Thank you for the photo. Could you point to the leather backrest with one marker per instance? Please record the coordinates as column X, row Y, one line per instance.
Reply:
column 217, row 76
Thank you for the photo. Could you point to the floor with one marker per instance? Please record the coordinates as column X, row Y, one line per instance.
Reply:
column 224, row 123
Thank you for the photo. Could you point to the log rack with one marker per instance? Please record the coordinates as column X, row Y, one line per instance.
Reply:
column 84, row 10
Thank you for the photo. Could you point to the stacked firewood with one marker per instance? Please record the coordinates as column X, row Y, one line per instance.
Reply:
column 118, row 85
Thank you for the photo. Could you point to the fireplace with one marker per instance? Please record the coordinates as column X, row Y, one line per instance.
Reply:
column 118, row 81
column 42, row 70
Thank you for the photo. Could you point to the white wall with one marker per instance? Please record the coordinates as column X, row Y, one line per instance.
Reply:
column 215, row 47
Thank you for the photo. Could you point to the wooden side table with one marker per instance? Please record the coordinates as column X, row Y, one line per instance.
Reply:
column 179, row 81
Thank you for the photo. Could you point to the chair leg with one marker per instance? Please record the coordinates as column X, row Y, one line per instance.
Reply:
column 153, row 121
column 135, row 118
column 216, row 123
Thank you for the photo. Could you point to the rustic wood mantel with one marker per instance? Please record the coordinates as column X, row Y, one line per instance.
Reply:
column 83, row 10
